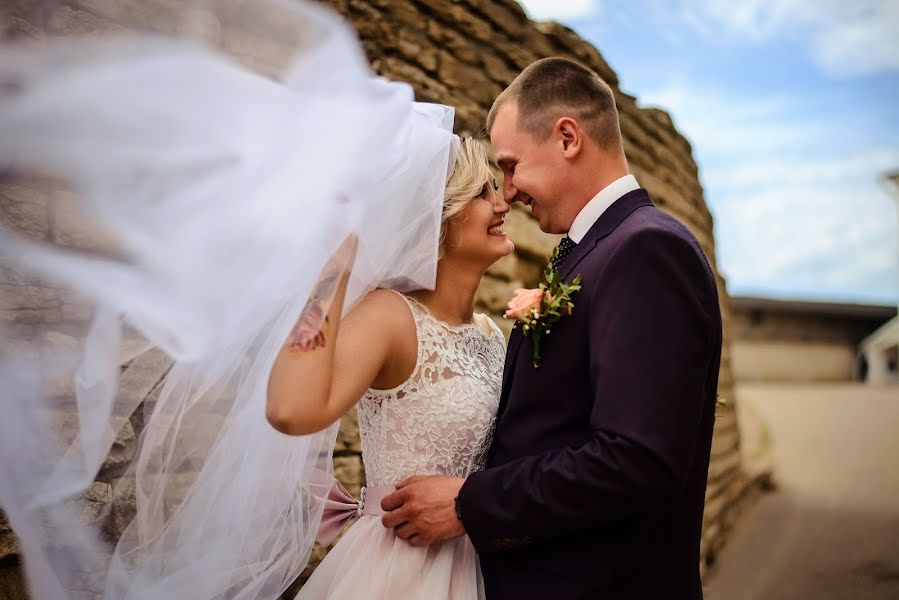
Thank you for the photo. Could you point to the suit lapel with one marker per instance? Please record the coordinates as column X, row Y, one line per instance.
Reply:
column 515, row 340
column 605, row 224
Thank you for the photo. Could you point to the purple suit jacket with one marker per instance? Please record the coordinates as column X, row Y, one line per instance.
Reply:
column 596, row 480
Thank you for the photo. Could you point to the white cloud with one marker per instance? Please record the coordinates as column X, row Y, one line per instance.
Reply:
column 843, row 38
column 807, row 172
column 719, row 122
column 794, row 210
column 560, row 10
column 839, row 242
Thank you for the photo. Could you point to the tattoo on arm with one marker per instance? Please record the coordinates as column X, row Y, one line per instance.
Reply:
column 313, row 326
column 309, row 333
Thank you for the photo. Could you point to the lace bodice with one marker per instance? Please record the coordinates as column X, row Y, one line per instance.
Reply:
column 440, row 420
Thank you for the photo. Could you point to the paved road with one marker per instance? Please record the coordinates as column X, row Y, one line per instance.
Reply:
column 831, row 531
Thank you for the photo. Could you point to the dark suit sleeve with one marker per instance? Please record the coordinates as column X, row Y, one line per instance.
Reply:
column 652, row 331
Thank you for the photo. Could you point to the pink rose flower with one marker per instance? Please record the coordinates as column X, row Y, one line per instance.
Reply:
column 524, row 302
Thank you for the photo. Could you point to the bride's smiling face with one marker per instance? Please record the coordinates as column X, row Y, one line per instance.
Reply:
column 474, row 210
column 477, row 233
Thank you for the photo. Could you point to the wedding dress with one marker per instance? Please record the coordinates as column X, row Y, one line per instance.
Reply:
column 192, row 167
column 439, row 421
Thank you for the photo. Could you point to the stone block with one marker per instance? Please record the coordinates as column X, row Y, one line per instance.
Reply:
column 417, row 49
column 505, row 15
column 348, row 434
column 29, row 219
column 498, row 69
column 8, row 544
column 450, row 40
column 525, row 233
column 12, row 582
column 348, row 470
column 494, row 294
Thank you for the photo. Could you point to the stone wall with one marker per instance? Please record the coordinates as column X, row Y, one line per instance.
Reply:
column 458, row 52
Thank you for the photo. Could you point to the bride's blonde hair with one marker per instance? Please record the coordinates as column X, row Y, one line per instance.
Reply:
column 466, row 181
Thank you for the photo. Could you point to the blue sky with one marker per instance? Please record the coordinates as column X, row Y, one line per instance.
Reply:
column 792, row 108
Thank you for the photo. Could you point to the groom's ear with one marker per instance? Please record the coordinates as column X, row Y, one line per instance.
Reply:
column 569, row 136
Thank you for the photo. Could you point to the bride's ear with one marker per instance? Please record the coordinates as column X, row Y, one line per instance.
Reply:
column 569, row 136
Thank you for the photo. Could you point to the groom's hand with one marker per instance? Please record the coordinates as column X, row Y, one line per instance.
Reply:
column 423, row 509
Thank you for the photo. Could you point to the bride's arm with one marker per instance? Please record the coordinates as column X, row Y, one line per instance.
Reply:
column 320, row 373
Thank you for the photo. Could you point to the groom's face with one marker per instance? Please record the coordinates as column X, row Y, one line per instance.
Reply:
column 533, row 171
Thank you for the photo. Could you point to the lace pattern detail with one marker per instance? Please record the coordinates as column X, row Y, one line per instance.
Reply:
column 441, row 419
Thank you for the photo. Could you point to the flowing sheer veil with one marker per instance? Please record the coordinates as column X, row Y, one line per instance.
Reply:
column 173, row 182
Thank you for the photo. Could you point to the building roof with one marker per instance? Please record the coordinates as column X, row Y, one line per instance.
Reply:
column 861, row 311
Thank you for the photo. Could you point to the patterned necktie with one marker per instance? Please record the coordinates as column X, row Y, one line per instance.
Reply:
column 566, row 245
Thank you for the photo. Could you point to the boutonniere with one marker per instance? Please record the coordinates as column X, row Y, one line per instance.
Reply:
column 539, row 309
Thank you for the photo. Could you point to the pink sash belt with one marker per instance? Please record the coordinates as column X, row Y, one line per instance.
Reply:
column 341, row 508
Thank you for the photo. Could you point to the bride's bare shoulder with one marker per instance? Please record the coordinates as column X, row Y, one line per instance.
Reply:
column 383, row 300
column 384, row 318
column 385, row 311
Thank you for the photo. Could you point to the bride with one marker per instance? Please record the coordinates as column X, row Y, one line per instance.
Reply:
column 426, row 372
column 207, row 191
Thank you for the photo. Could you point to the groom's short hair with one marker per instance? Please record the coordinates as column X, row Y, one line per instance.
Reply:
column 555, row 87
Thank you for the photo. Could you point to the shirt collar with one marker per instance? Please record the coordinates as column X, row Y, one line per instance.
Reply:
column 599, row 204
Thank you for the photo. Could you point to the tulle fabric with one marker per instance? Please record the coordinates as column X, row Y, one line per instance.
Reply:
column 199, row 164
column 370, row 561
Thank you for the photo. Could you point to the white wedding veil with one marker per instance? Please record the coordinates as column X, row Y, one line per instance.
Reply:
column 173, row 180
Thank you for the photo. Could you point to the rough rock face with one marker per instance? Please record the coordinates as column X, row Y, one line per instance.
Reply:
column 458, row 52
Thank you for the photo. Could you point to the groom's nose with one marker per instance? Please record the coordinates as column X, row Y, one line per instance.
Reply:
column 510, row 192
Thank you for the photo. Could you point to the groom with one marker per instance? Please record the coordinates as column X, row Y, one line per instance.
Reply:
column 596, row 479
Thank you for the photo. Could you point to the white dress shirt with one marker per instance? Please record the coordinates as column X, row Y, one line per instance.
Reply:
column 598, row 205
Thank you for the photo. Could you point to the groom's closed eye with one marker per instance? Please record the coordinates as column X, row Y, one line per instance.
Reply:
column 507, row 166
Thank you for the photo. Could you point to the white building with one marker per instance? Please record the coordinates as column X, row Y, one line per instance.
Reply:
column 880, row 354
column 880, row 350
